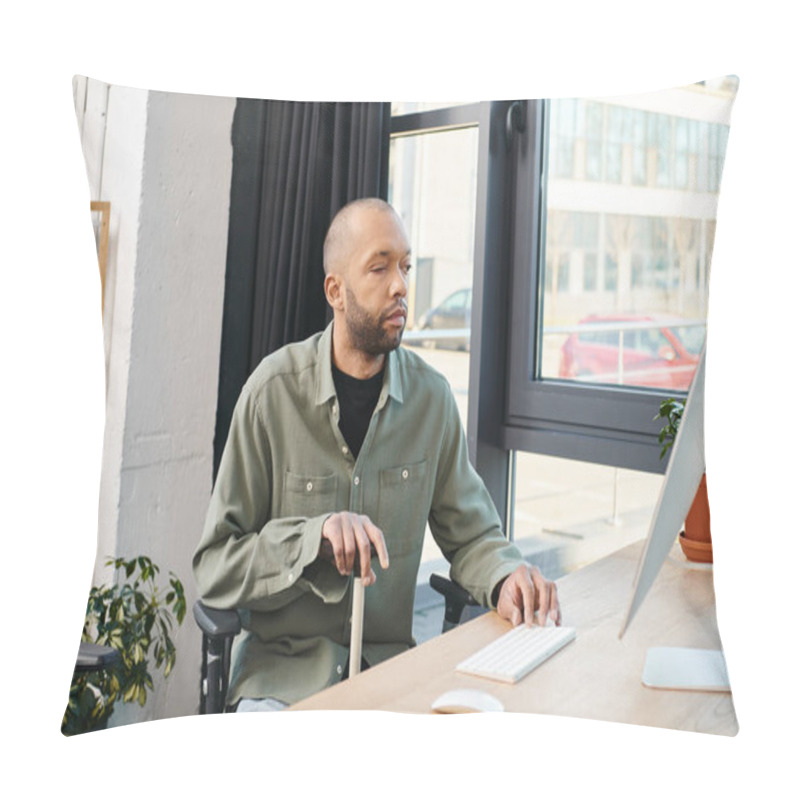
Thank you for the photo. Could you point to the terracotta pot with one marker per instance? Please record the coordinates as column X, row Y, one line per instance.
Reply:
column 695, row 538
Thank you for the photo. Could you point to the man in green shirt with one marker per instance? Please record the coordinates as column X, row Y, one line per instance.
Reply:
column 340, row 446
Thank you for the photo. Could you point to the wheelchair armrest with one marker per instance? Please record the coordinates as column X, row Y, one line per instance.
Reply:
column 219, row 626
column 216, row 623
column 456, row 599
column 94, row 657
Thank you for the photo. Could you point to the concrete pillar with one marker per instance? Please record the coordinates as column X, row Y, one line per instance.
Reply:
column 166, row 170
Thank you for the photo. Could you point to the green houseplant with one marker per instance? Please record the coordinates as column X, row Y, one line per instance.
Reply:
column 695, row 539
column 672, row 411
column 135, row 618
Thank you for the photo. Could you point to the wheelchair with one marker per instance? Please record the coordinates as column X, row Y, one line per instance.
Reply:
column 220, row 626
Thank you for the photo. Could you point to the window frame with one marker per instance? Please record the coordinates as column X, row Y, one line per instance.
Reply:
column 435, row 120
column 488, row 326
column 599, row 423
column 510, row 408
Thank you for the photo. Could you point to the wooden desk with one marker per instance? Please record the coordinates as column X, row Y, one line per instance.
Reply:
column 597, row 676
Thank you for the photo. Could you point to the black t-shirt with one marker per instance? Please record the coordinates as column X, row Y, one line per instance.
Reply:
column 357, row 400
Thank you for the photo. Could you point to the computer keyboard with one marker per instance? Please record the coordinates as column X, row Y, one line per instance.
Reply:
column 516, row 653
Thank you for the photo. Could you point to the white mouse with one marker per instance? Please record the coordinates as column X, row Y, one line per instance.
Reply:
column 464, row 701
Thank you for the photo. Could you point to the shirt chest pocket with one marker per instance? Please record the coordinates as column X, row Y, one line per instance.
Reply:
column 403, row 505
column 308, row 495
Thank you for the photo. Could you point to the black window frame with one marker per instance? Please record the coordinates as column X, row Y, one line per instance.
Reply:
column 610, row 425
column 489, row 287
column 512, row 409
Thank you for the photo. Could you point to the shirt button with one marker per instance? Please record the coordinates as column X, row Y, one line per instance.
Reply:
column 309, row 486
column 339, row 669
column 291, row 576
column 344, row 450
column 405, row 474
column 356, row 480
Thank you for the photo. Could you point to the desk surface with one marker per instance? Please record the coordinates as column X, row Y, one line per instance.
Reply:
column 597, row 676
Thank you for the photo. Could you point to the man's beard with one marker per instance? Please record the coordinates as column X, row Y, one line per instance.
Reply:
column 367, row 333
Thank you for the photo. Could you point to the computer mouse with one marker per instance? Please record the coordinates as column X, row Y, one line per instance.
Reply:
column 465, row 701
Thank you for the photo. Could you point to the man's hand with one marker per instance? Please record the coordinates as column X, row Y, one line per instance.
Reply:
column 346, row 536
column 525, row 592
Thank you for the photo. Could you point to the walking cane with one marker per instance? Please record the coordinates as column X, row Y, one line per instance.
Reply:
column 357, row 626
column 357, row 619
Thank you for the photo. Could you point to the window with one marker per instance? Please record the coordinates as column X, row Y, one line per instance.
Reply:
column 717, row 142
column 589, row 272
column 568, row 513
column 652, row 262
column 563, row 137
column 594, row 141
column 661, row 141
column 682, row 127
column 610, row 274
column 638, row 121
column 562, row 279
column 615, row 140
column 586, row 277
column 433, row 186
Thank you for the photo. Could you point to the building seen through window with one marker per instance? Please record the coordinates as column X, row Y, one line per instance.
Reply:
column 631, row 198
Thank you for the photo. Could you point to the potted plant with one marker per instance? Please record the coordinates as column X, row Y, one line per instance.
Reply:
column 134, row 619
column 695, row 539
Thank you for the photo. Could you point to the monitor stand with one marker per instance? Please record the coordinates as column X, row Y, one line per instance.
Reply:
column 686, row 668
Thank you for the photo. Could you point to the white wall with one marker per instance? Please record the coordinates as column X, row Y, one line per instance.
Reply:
column 166, row 169
column 113, row 136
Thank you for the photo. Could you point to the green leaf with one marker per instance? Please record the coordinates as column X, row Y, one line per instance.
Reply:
column 130, row 616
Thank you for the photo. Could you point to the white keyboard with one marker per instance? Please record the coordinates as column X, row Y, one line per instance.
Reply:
column 516, row 653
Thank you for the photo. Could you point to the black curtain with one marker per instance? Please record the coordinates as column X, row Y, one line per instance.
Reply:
column 294, row 166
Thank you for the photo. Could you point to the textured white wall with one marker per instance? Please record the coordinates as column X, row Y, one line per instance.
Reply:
column 166, row 169
column 114, row 136
column 166, row 472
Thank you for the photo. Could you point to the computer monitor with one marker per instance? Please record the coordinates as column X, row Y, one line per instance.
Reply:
column 686, row 668
column 685, row 470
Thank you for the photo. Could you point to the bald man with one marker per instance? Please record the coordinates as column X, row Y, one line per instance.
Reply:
column 340, row 450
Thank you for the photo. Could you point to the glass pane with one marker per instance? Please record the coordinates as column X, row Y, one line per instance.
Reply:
column 569, row 513
column 433, row 186
column 629, row 236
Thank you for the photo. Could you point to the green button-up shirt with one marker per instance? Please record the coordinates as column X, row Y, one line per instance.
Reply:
column 286, row 468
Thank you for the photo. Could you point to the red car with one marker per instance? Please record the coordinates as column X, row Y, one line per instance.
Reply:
column 657, row 351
